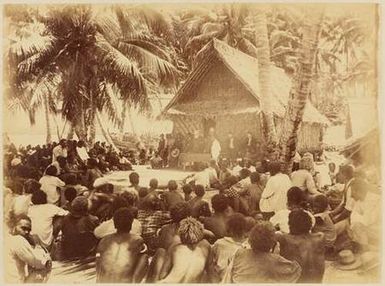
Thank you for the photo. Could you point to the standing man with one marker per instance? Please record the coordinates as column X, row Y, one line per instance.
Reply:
column 60, row 150
column 230, row 148
column 249, row 145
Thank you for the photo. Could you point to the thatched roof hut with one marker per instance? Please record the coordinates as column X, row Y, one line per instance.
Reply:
column 222, row 91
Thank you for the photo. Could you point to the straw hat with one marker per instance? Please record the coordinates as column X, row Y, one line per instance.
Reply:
column 347, row 261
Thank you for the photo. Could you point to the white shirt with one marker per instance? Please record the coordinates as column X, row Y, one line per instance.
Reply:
column 82, row 152
column 49, row 185
column 42, row 217
column 213, row 177
column 59, row 151
column 274, row 196
column 368, row 211
column 236, row 170
column 107, row 227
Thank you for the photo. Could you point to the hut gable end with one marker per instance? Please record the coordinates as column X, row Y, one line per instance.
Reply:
column 219, row 91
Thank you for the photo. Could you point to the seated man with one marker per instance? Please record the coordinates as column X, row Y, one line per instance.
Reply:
column 130, row 248
column 192, row 247
column 217, row 222
column 259, row 264
column 225, row 248
column 308, row 249
column 199, row 207
column 366, row 215
column 172, row 196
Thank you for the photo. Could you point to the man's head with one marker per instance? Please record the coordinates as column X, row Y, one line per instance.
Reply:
column 51, row 171
column 187, row 189
column 81, row 144
column 220, row 203
column 129, row 197
column 153, row 184
column 134, row 178
column 262, row 237
column 236, row 225
column 199, row 190
column 295, row 197
column 275, row 168
column 172, row 185
column 30, row 186
column 244, row 173
column 332, row 166
column 142, row 192
column 190, row 231
column 249, row 134
column 255, row 177
column 213, row 163
column 70, row 194
column 92, row 163
column 346, row 173
column 61, row 160
column 117, row 203
column 359, row 189
column 79, row 206
column 123, row 219
column 180, row 211
column 230, row 135
column 299, row 222
column 63, row 143
column 320, row 204
column 23, row 226
column 39, row 198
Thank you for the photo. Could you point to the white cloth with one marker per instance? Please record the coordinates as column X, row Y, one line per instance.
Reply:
column 49, row 185
column 252, row 169
column 236, row 170
column 42, row 218
column 215, row 149
column 304, row 180
column 274, row 196
column 59, row 151
column 202, row 178
column 368, row 211
column 82, row 152
column 281, row 219
column 213, row 176
column 21, row 204
column 107, row 227
column 18, row 254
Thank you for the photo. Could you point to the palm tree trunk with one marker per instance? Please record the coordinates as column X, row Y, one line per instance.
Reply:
column 71, row 132
column 263, row 56
column 124, row 113
column 104, row 131
column 300, row 91
column 47, row 122
column 92, row 137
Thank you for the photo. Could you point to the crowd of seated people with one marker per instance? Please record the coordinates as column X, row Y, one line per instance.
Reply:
column 261, row 225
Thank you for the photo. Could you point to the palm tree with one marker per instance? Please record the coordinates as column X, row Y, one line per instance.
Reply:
column 300, row 90
column 92, row 55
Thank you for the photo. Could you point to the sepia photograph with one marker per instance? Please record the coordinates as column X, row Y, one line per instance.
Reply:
column 191, row 143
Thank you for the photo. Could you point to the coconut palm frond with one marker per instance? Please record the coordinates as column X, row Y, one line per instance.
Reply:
column 108, row 25
column 158, row 23
column 111, row 103
column 199, row 41
column 118, row 65
column 163, row 69
column 125, row 20
column 43, row 87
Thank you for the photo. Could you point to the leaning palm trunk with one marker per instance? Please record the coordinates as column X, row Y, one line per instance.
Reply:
column 47, row 122
column 131, row 122
column 263, row 56
column 104, row 132
column 299, row 92
column 123, row 117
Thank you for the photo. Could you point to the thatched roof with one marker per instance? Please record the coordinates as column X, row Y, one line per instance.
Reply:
column 245, row 69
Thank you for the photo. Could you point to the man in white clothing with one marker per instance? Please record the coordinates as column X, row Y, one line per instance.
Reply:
column 60, row 150
column 274, row 196
column 215, row 150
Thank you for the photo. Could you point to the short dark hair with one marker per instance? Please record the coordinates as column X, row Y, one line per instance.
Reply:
column 92, row 162
column 142, row 192
column 172, row 185
column 236, row 225
column 187, row 189
column 262, row 237
column 51, row 171
column 39, row 198
column 255, row 177
column 134, row 178
column 320, row 202
column 30, row 186
column 180, row 211
column 154, row 183
column 61, row 159
column 299, row 222
column 123, row 219
column 219, row 203
column 70, row 194
column 129, row 197
column 199, row 190
column 295, row 196
column 244, row 173
column 117, row 203
column 275, row 168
